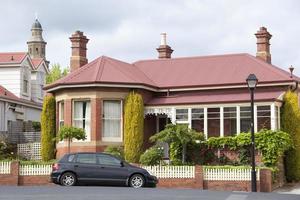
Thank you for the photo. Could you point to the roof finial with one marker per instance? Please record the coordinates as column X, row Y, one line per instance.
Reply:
column 36, row 15
column 291, row 68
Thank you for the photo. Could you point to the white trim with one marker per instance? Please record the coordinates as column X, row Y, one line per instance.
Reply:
column 221, row 121
column 273, row 118
column 21, row 103
column 173, row 115
column 255, row 118
column 205, row 123
column 154, row 88
column 88, row 135
column 238, row 120
column 190, row 117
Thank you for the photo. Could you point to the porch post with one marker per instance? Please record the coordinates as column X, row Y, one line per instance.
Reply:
column 221, row 121
column 273, row 118
column 238, row 120
column 205, row 123
column 255, row 118
column 173, row 118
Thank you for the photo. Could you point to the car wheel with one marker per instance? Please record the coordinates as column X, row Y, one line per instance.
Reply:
column 68, row 179
column 136, row 181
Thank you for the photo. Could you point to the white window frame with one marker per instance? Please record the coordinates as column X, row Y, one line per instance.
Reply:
column 88, row 135
column 61, row 105
column 25, row 84
column 112, row 139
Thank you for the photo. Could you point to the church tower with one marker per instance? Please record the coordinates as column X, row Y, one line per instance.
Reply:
column 36, row 44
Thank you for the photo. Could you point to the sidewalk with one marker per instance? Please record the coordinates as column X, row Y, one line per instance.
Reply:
column 291, row 188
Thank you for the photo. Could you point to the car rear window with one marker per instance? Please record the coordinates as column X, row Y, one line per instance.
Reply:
column 68, row 158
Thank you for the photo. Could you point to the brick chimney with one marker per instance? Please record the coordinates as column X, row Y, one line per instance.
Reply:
column 263, row 44
column 164, row 51
column 78, row 57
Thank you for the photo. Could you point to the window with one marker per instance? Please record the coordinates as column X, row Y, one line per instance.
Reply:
column 181, row 115
column 245, row 119
column 82, row 116
column 25, row 84
column 198, row 119
column 229, row 121
column 108, row 160
column 61, row 111
column 263, row 117
column 86, row 158
column 112, row 120
column 213, row 122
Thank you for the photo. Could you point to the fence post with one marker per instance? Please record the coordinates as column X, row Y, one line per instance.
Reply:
column 14, row 171
column 265, row 180
column 199, row 176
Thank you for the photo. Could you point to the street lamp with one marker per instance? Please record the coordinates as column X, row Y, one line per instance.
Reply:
column 252, row 82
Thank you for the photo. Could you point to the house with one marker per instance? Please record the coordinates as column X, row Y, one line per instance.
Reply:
column 22, row 78
column 208, row 93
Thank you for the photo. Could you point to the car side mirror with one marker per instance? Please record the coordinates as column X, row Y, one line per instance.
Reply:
column 121, row 164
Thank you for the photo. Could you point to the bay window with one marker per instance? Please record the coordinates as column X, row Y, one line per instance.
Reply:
column 198, row 119
column 112, row 121
column 263, row 117
column 230, row 121
column 82, row 116
column 213, row 122
column 61, row 114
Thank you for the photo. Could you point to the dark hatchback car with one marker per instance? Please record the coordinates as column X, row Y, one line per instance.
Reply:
column 99, row 168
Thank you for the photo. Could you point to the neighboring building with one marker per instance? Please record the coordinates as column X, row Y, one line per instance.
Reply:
column 208, row 93
column 22, row 78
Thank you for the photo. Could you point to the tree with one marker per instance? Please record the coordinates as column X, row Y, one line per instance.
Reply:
column 69, row 133
column 133, row 126
column 55, row 73
column 290, row 121
column 178, row 135
column 48, row 129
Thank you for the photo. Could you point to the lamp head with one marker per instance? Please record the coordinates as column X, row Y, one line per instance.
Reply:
column 252, row 81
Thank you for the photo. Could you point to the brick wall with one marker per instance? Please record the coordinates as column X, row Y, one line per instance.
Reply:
column 264, row 185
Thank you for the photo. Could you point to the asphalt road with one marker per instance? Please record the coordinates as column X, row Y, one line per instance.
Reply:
column 124, row 193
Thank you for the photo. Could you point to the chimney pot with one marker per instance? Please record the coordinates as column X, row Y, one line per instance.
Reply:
column 78, row 58
column 164, row 51
column 263, row 44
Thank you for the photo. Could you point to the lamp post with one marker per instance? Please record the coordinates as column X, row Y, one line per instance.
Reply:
column 252, row 82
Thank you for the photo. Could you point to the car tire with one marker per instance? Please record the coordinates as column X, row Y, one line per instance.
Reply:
column 68, row 179
column 136, row 181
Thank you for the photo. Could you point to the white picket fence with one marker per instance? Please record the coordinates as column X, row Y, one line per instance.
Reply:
column 171, row 171
column 219, row 174
column 27, row 170
column 4, row 167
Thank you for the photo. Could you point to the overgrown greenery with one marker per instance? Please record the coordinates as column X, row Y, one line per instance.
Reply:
column 290, row 122
column 117, row 151
column 152, row 156
column 7, row 150
column 133, row 126
column 177, row 137
column 36, row 126
column 55, row 73
column 48, row 129
column 69, row 133
column 272, row 144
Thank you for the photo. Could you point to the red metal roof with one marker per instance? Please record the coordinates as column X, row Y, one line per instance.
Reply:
column 216, row 96
column 12, row 57
column 36, row 62
column 210, row 70
column 106, row 70
column 5, row 93
column 203, row 71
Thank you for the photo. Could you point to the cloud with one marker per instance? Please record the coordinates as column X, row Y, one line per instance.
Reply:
column 130, row 30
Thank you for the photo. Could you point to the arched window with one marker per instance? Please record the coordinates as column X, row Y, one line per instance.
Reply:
column 37, row 50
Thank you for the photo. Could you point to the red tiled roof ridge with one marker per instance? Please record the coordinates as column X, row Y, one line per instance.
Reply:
column 191, row 57
column 9, row 94
column 101, row 62
column 12, row 54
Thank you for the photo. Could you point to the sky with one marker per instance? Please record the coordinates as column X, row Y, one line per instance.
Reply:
column 129, row 30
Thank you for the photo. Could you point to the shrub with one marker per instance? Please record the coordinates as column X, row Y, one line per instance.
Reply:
column 117, row 151
column 152, row 156
column 7, row 150
column 290, row 122
column 133, row 127
column 36, row 126
column 48, row 129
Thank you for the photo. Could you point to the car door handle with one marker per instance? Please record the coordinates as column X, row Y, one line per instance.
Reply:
column 75, row 165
